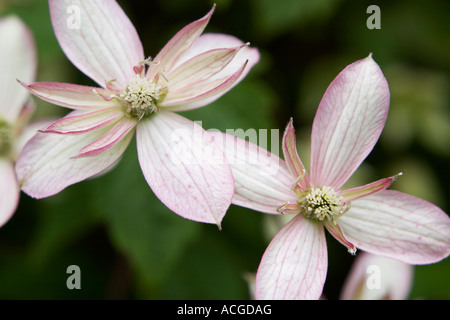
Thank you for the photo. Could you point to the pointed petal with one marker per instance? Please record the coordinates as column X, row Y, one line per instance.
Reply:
column 359, row 192
column 212, row 41
column 294, row 265
column 86, row 121
column 348, row 123
column 185, row 169
column 336, row 232
column 9, row 191
column 192, row 96
column 202, row 95
column 394, row 284
column 397, row 225
column 46, row 165
column 17, row 61
column 178, row 45
column 123, row 128
column 72, row 96
column 262, row 180
column 200, row 68
column 98, row 38
column 292, row 158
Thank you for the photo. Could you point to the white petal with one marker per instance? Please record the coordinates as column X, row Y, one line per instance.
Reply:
column 46, row 165
column 374, row 277
column 185, row 169
column 177, row 46
column 262, row 180
column 98, row 38
column 294, row 265
column 17, row 61
column 397, row 225
column 348, row 123
column 72, row 95
column 9, row 191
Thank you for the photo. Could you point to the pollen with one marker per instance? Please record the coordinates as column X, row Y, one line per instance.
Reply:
column 142, row 96
column 6, row 137
column 321, row 204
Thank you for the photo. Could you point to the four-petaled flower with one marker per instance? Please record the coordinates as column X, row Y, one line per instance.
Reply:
column 17, row 59
column 136, row 94
column 348, row 122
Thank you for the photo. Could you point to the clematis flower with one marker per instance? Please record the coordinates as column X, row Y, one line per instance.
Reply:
column 375, row 277
column 17, row 59
column 136, row 95
column 348, row 122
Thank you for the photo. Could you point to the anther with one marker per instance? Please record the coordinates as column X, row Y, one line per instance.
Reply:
column 142, row 96
column 322, row 204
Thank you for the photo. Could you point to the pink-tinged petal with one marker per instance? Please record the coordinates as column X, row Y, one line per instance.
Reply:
column 17, row 61
column 27, row 133
column 336, row 232
column 200, row 68
column 98, row 38
column 211, row 41
column 168, row 57
column 348, row 123
column 202, row 95
column 77, row 123
column 294, row 265
column 359, row 192
column 72, row 96
column 9, row 191
column 46, row 165
column 293, row 161
column 400, row 226
column 120, row 130
column 185, row 169
column 262, row 180
column 374, row 277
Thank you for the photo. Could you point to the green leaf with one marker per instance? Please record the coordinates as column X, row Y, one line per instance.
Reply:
column 210, row 269
column 62, row 220
column 273, row 18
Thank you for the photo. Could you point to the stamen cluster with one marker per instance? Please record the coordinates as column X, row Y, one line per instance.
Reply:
column 321, row 203
column 142, row 96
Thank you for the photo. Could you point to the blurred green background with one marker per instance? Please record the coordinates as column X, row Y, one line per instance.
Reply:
column 130, row 246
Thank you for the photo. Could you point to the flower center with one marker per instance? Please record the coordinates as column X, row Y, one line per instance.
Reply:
column 142, row 96
column 321, row 204
column 6, row 137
